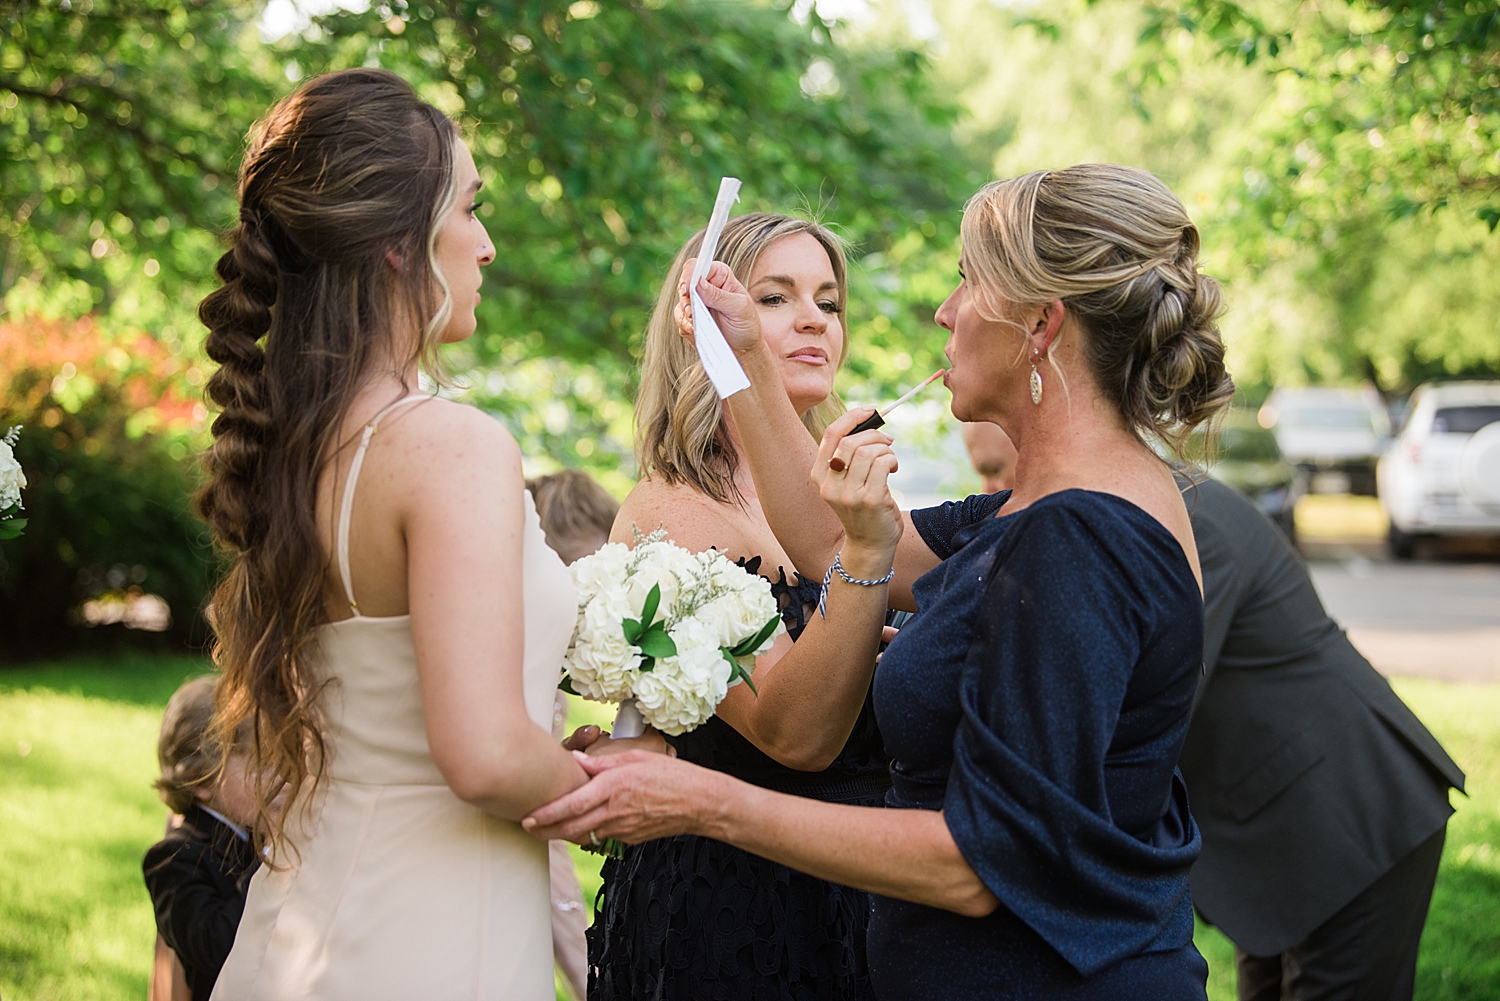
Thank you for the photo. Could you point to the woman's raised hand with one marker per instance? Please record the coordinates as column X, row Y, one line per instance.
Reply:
column 721, row 292
column 850, row 472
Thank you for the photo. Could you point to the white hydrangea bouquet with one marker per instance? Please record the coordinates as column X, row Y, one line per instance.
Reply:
column 11, row 482
column 665, row 632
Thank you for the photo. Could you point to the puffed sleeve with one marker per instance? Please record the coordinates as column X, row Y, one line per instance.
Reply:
column 938, row 525
column 1060, row 628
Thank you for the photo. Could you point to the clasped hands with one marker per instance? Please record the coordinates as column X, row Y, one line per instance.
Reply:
column 636, row 791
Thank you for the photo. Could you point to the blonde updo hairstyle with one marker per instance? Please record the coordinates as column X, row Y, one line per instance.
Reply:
column 681, row 436
column 1117, row 247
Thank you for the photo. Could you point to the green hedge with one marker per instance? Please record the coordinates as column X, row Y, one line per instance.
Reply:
column 109, row 514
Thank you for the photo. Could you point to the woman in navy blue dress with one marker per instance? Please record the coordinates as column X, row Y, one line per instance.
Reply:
column 1037, row 838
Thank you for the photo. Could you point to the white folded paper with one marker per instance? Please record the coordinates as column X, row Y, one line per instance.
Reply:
column 723, row 368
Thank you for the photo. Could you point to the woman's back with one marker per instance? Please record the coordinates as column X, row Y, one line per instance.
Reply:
column 392, row 623
column 399, row 887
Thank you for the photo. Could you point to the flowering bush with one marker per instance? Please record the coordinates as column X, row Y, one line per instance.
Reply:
column 111, row 426
column 671, row 629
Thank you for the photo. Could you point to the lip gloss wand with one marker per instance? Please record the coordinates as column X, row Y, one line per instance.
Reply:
column 877, row 419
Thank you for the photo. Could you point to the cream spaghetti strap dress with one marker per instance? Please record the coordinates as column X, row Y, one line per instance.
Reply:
column 400, row 889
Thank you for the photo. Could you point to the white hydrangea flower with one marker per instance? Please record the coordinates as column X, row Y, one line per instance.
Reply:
column 744, row 608
column 601, row 570
column 699, row 659
column 11, row 477
column 647, row 576
column 708, row 604
column 682, row 692
column 604, row 668
column 601, row 663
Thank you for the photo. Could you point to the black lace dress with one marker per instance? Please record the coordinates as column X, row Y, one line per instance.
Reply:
column 693, row 919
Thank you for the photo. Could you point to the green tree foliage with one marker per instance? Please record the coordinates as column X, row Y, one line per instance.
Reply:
column 104, row 446
column 1390, row 105
column 108, row 516
column 1371, row 179
column 120, row 124
column 602, row 129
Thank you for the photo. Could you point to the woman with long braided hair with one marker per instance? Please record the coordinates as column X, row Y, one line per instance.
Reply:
column 395, row 649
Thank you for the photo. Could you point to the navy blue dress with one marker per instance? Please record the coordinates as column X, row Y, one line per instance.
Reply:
column 693, row 919
column 1039, row 698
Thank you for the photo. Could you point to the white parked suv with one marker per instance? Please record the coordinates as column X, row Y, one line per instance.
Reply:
column 1442, row 476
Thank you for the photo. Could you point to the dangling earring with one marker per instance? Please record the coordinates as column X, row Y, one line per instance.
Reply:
column 1036, row 383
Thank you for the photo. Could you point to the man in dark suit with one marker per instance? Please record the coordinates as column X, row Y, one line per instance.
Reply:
column 1322, row 800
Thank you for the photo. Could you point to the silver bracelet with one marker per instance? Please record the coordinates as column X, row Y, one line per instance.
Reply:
column 838, row 568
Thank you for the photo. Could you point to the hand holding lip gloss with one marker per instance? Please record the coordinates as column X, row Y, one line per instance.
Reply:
column 877, row 419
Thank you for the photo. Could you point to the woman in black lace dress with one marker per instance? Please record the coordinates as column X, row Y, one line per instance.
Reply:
column 689, row 917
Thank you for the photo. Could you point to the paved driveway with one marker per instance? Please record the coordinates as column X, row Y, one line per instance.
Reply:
column 1438, row 619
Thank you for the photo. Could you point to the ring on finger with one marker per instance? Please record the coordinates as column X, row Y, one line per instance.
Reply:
column 593, row 839
column 837, row 465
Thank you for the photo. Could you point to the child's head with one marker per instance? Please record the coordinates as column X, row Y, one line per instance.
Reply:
column 189, row 757
column 575, row 512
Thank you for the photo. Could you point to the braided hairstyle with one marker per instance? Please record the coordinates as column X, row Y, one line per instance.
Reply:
column 346, row 176
column 1117, row 247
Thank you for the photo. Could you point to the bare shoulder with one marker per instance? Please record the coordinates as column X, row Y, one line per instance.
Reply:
column 445, row 429
column 443, row 445
column 1156, row 493
column 692, row 520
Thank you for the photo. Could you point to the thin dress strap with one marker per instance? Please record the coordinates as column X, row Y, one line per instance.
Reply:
column 346, row 508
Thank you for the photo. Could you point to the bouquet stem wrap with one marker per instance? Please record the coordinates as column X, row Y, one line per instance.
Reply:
column 628, row 721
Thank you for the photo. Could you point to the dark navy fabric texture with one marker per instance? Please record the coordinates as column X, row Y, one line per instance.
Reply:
column 1040, row 698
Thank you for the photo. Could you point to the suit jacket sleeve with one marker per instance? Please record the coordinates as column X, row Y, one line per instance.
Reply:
column 197, row 908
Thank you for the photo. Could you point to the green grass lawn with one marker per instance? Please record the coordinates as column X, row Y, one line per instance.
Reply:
column 77, row 758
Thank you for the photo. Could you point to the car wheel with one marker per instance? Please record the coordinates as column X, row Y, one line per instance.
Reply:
column 1403, row 545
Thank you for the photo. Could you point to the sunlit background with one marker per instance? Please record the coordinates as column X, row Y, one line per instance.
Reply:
column 1339, row 157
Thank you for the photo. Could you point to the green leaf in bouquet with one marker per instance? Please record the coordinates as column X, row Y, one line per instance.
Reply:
column 637, row 629
column 656, row 643
column 737, row 671
column 746, row 647
column 566, row 685
column 648, row 610
column 14, row 509
column 12, row 528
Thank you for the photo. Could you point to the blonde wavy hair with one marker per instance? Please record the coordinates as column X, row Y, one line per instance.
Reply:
column 680, row 431
column 1117, row 247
